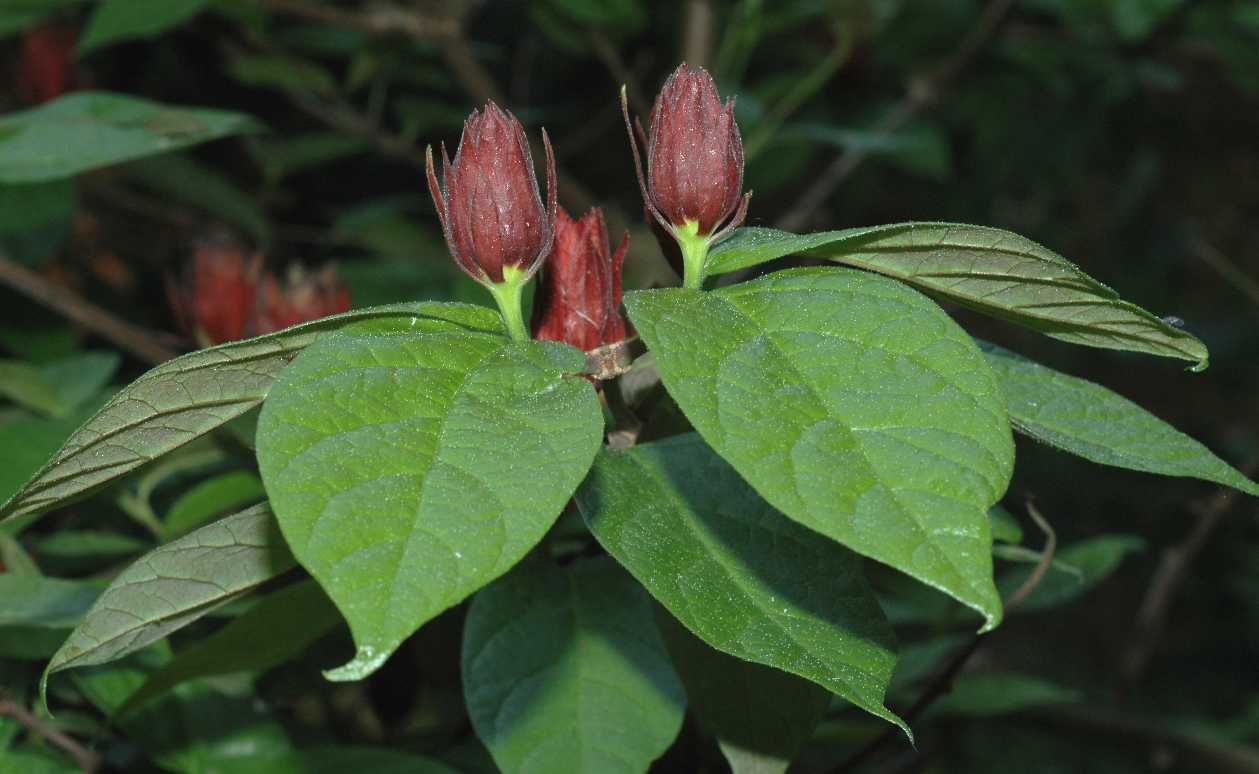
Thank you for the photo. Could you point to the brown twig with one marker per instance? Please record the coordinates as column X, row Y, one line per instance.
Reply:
column 943, row 682
column 922, row 92
column 1173, row 568
column 377, row 19
column 126, row 336
column 87, row 760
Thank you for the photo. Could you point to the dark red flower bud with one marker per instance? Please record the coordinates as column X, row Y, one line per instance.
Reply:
column 216, row 299
column 304, row 297
column 694, row 174
column 579, row 298
column 488, row 202
column 46, row 69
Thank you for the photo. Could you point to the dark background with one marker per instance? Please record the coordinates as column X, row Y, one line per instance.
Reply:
column 1123, row 135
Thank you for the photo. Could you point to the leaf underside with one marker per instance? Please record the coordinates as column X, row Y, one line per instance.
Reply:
column 174, row 585
column 987, row 269
column 1090, row 421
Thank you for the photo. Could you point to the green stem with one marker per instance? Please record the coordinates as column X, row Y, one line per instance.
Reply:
column 508, row 295
column 694, row 254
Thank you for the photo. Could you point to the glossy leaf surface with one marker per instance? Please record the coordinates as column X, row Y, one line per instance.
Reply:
column 851, row 403
column 434, row 462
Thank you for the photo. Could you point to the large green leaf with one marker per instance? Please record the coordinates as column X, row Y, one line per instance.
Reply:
column 761, row 717
column 408, row 470
column 86, row 130
column 852, row 404
column 118, row 20
column 1090, row 421
column 993, row 271
column 564, row 671
column 736, row 572
column 174, row 585
column 37, row 612
column 271, row 632
column 191, row 395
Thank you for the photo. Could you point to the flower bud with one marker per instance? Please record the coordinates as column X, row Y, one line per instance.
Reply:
column 46, row 68
column 694, row 175
column 216, row 299
column 579, row 298
column 488, row 201
column 304, row 297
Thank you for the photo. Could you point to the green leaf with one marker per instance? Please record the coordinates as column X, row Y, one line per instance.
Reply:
column 993, row 271
column 87, row 130
column 760, row 716
column 20, row 15
column 1090, row 421
column 185, row 398
column 852, row 404
column 1005, row 527
column 174, row 585
column 81, row 377
column 273, row 631
column 118, row 20
column 1076, row 569
column 285, row 73
column 992, row 694
column 26, row 443
column 226, row 492
column 77, row 550
column 177, row 177
column 737, row 573
column 408, row 470
column 564, row 671
column 26, row 385
column 57, row 388
column 326, row 759
column 32, row 600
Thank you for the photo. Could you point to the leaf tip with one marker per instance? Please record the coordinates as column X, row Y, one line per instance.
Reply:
column 366, row 661
column 43, row 689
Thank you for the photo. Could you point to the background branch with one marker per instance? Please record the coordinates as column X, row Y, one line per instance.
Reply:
column 126, row 336
column 922, row 92
column 87, row 760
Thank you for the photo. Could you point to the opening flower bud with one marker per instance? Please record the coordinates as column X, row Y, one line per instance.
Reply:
column 303, row 297
column 579, row 299
column 215, row 300
column 694, row 178
column 490, row 208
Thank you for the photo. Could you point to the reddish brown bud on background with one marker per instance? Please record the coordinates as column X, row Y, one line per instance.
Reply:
column 46, row 68
column 216, row 299
column 579, row 298
column 225, row 296
column 305, row 296
column 694, row 175
column 488, row 200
